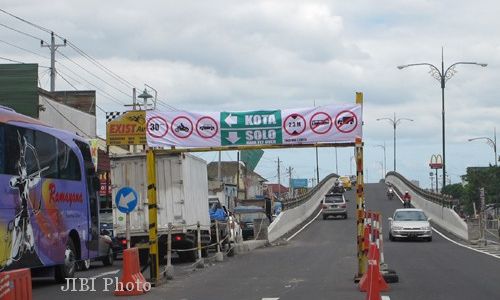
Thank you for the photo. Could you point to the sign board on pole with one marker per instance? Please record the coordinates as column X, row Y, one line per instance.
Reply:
column 126, row 199
column 323, row 124
column 298, row 183
column 127, row 129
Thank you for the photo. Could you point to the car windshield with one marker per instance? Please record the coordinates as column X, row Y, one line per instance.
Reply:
column 333, row 199
column 412, row 215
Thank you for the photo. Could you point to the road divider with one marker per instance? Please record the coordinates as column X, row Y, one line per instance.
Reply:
column 16, row 285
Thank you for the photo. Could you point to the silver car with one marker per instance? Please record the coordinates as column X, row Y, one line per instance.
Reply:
column 334, row 205
column 410, row 223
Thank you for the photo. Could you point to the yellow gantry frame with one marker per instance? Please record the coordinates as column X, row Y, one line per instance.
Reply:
column 153, row 211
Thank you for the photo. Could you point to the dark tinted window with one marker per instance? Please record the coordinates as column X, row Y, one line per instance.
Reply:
column 334, row 199
column 68, row 165
column 46, row 150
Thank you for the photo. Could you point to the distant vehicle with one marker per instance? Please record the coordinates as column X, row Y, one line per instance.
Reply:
column 207, row 127
column 410, row 223
column 246, row 216
column 354, row 179
column 334, row 205
column 346, row 182
column 338, row 187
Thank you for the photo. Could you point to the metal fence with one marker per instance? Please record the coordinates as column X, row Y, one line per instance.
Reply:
column 294, row 202
column 443, row 200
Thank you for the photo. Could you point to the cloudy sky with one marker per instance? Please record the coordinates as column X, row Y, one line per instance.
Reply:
column 245, row 55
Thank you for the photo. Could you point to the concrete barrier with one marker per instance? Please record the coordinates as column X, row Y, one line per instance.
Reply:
column 290, row 218
column 444, row 217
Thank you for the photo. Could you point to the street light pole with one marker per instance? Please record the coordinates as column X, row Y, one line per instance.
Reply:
column 492, row 143
column 443, row 76
column 395, row 122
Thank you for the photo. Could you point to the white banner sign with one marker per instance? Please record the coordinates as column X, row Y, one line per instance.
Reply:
column 323, row 124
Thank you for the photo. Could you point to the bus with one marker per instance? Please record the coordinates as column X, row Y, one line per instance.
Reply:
column 48, row 198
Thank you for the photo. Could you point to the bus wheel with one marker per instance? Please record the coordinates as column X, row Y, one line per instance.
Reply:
column 68, row 269
column 84, row 265
column 108, row 259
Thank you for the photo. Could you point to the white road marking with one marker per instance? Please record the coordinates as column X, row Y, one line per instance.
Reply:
column 303, row 227
column 106, row 273
column 270, row 298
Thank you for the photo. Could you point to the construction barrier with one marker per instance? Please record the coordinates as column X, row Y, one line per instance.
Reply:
column 364, row 283
column 15, row 285
column 373, row 283
column 132, row 282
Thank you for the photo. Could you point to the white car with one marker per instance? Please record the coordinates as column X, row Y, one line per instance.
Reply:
column 410, row 223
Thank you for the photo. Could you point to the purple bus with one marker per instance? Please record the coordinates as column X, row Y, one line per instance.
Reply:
column 48, row 198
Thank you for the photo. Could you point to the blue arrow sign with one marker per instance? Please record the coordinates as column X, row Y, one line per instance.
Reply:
column 126, row 199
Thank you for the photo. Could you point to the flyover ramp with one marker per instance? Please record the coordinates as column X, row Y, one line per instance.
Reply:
column 433, row 270
column 443, row 216
column 294, row 215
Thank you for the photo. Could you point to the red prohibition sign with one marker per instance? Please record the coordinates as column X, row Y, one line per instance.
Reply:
column 215, row 126
column 318, row 123
column 183, row 128
column 162, row 120
column 346, row 120
column 295, row 132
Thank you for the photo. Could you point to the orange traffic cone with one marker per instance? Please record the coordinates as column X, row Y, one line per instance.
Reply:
column 373, row 286
column 132, row 282
column 373, row 255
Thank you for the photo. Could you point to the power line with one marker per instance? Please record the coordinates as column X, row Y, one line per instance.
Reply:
column 62, row 115
column 11, row 60
column 110, row 85
column 21, row 32
column 24, row 49
column 66, row 80
column 101, row 66
column 25, row 21
column 105, row 94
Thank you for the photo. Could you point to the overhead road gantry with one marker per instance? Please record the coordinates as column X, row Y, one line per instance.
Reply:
column 181, row 131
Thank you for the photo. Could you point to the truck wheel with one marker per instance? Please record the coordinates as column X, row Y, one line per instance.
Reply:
column 189, row 256
column 143, row 256
column 68, row 269
column 324, row 217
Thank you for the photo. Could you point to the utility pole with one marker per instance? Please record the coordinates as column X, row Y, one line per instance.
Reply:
column 279, row 180
column 290, row 188
column 52, row 47
column 219, row 177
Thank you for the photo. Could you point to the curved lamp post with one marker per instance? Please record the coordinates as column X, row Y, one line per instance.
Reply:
column 395, row 122
column 492, row 143
column 443, row 76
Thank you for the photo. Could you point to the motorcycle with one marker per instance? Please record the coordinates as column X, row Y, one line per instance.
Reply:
column 406, row 203
column 390, row 194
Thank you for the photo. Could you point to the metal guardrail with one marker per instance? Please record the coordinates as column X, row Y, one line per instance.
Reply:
column 294, row 202
column 443, row 200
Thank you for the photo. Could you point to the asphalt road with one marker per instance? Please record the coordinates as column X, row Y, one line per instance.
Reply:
column 319, row 263
column 435, row 270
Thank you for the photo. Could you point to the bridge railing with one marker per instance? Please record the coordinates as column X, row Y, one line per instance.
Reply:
column 294, row 202
column 443, row 200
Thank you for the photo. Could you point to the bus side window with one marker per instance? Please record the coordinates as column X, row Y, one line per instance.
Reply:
column 45, row 146
column 68, row 165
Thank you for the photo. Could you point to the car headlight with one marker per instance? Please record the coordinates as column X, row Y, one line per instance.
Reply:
column 428, row 228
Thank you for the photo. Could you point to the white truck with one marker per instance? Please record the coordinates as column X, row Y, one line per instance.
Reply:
column 181, row 191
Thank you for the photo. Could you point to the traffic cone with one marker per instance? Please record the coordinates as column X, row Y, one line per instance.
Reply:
column 373, row 284
column 132, row 281
column 373, row 255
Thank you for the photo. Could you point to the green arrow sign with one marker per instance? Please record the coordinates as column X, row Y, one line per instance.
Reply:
column 251, row 127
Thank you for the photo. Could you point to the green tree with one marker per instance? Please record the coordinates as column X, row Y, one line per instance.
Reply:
column 455, row 190
column 489, row 179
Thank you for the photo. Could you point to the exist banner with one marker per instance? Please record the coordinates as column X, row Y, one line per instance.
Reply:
column 322, row 124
